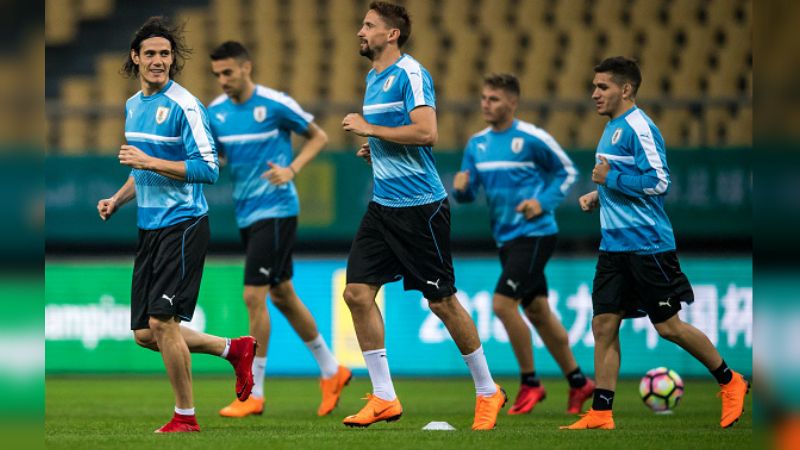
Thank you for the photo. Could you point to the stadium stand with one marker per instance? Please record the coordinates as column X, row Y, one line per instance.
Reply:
column 697, row 57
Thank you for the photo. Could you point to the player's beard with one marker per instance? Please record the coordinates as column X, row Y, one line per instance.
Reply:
column 369, row 52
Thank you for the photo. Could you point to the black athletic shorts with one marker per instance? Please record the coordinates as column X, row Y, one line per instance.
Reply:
column 640, row 285
column 268, row 245
column 412, row 243
column 167, row 271
column 523, row 260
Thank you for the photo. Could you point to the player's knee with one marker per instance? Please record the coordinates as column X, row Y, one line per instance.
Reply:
column 538, row 311
column 158, row 325
column 603, row 328
column 145, row 338
column 503, row 309
column 669, row 331
column 281, row 295
column 356, row 297
column 253, row 299
column 444, row 306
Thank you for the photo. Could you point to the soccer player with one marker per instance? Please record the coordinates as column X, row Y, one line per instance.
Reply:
column 526, row 175
column 405, row 232
column 253, row 125
column 637, row 271
column 171, row 153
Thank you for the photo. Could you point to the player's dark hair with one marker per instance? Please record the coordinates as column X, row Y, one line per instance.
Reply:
column 159, row 26
column 623, row 70
column 395, row 16
column 230, row 49
column 504, row 81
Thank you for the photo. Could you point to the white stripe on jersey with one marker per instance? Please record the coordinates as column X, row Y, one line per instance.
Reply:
column 383, row 107
column 254, row 137
column 147, row 137
column 645, row 136
column 498, row 165
column 552, row 144
column 619, row 158
column 186, row 101
column 220, row 98
column 285, row 100
column 412, row 67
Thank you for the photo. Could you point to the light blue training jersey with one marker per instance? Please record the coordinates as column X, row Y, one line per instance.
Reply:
column 173, row 125
column 632, row 216
column 520, row 163
column 404, row 175
column 250, row 135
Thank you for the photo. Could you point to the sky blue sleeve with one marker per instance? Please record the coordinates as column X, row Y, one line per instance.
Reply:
column 650, row 159
column 468, row 163
column 560, row 172
column 202, row 165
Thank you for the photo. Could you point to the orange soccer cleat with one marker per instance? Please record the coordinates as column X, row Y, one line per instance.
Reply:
column 593, row 420
column 487, row 408
column 527, row 398
column 239, row 408
column 332, row 389
column 732, row 395
column 375, row 410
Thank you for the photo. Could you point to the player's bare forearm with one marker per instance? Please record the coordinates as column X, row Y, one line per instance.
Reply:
column 170, row 169
column 317, row 139
column 421, row 131
column 126, row 193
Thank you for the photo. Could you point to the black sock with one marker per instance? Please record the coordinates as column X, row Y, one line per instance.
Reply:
column 723, row 373
column 603, row 400
column 530, row 379
column 576, row 378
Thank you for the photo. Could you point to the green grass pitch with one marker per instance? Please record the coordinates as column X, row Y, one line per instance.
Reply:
column 122, row 412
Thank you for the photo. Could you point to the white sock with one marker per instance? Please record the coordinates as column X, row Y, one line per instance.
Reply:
column 378, row 367
column 328, row 365
column 476, row 361
column 184, row 412
column 227, row 348
column 259, row 367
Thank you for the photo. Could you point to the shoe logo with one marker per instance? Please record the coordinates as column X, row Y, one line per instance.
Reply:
column 512, row 284
column 169, row 299
column 265, row 271
column 433, row 283
column 666, row 303
column 607, row 399
column 727, row 369
column 377, row 413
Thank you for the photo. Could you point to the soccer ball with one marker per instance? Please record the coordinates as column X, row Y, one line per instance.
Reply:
column 661, row 389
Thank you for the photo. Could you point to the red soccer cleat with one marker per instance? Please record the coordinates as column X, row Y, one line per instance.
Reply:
column 579, row 395
column 240, row 355
column 180, row 424
column 527, row 398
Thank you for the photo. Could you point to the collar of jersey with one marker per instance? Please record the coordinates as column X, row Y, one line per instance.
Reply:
column 147, row 98
column 507, row 130
column 386, row 70
column 623, row 116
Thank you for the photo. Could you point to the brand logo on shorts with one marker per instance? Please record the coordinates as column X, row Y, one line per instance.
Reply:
column 161, row 114
column 260, row 113
column 433, row 283
column 516, row 144
column 388, row 83
column 666, row 303
column 167, row 298
column 265, row 271
column 615, row 137
column 512, row 284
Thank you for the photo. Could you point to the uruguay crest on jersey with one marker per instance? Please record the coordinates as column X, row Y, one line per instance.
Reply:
column 260, row 113
column 161, row 114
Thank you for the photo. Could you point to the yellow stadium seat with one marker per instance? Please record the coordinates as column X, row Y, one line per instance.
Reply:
column 110, row 134
column 740, row 132
column 95, row 9
column 227, row 17
column 60, row 21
